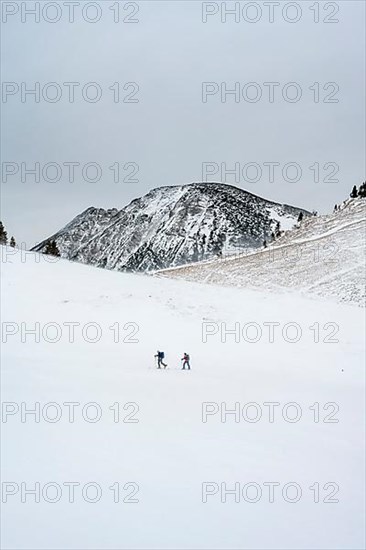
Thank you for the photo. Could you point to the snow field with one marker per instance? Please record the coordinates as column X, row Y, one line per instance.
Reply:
column 170, row 453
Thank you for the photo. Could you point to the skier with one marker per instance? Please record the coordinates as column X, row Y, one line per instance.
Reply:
column 185, row 360
column 160, row 355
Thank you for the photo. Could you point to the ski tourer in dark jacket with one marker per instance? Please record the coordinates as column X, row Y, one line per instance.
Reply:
column 160, row 355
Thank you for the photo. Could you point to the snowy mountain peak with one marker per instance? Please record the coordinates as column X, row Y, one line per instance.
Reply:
column 171, row 226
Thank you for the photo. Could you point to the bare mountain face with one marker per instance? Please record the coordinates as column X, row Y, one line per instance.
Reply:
column 172, row 226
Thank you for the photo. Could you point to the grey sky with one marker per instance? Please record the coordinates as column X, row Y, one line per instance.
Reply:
column 170, row 132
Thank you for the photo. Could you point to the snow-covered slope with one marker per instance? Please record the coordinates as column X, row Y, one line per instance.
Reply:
column 172, row 226
column 315, row 364
column 325, row 257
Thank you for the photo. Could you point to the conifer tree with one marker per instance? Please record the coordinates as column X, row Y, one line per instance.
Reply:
column 278, row 230
column 362, row 190
column 3, row 234
column 51, row 248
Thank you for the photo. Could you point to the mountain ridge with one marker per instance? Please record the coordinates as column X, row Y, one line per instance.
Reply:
column 172, row 225
column 324, row 257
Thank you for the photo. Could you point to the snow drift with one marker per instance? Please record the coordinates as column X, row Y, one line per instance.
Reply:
column 323, row 257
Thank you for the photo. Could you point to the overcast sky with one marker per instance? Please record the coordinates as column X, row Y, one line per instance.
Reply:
column 164, row 128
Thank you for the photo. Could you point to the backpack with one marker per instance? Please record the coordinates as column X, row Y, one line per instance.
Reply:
column 186, row 357
column 162, row 355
